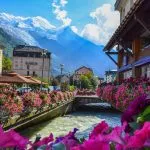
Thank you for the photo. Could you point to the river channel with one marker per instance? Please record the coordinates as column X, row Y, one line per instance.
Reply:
column 85, row 118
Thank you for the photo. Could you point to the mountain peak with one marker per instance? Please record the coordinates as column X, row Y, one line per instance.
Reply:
column 26, row 22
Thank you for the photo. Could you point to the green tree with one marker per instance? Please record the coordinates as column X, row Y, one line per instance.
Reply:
column 6, row 64
column 85, row 82
column 94, row 82
column 64, row 86
column 89, row 75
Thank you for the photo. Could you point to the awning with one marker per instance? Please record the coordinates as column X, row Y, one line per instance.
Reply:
column 125, row 68
column 142, row 61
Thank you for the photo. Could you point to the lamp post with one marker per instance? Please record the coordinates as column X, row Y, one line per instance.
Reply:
column 69, row 74
column 61, row 68
column 43, row 54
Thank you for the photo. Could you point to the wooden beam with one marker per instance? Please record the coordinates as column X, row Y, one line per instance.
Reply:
column 111, row 59
column 142, row 23
column 112, row 53
column 129, row 52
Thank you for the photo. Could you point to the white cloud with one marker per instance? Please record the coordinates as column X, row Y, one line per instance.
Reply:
column 74, row 29
column 107, row 20
column 61, row 14
column 63, row 2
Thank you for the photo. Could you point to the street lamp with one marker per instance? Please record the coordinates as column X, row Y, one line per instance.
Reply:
column 61, row 68
column 43, row 54
column 69, row 74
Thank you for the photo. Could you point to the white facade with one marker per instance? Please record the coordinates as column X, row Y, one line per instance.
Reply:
column 31, row 65
column 146, row 71
column 127, row 74
column 1, row 57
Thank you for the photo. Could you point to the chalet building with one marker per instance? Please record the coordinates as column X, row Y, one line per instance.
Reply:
column 81, row 71
column 31, row 61
column 132, row 38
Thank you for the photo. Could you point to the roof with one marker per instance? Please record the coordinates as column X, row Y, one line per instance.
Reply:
column 110, row 71
column 128, row 17
column 117, row 3
column 30, row 48
column 15, row 78
column 84, row 67
column 36, row 81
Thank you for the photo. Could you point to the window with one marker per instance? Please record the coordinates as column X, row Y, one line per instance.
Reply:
column 28, row 73
column 28, row 67
column 146, row 71
column 127, row 74
column 33, row 73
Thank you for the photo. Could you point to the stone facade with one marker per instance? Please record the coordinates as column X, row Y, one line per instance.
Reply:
column 31, row 60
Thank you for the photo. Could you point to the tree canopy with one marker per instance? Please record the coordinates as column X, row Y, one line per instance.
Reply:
column 6, row 64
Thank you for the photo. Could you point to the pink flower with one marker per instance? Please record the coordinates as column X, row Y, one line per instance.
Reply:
column 101, row 128
column 141, row 137
column 93, row 144
column 11, row 139
column 44, row 141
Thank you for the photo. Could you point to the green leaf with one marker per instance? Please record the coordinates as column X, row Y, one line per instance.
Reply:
column 146, row 111
column 145, row 116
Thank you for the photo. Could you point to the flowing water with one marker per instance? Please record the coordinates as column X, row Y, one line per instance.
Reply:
column 83, row 120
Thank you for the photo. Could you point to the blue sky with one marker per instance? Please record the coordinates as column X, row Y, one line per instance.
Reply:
column 84, row 16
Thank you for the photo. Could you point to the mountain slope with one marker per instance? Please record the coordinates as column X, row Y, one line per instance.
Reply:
column 67, row 47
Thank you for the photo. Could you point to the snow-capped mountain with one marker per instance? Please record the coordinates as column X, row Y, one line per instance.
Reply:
column 67, row 47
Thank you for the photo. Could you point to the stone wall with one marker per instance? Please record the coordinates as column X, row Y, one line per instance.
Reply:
column 43, row 116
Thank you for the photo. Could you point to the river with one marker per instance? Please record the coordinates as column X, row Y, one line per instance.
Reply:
column 84, row 119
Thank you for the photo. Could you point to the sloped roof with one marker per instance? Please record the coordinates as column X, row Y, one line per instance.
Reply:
column 36, row 81
column 84, row 67
column 15, row 78
column 124, row 23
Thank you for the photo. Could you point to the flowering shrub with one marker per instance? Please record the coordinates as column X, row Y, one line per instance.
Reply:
column 46, row 99
column 54, row 97
column 11, row 103
column 102, row 137
column 60, row 96
column 86, row 92
column 121, row 95
column 28, row 99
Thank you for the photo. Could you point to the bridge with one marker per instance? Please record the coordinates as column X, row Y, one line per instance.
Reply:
column 84, row 100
